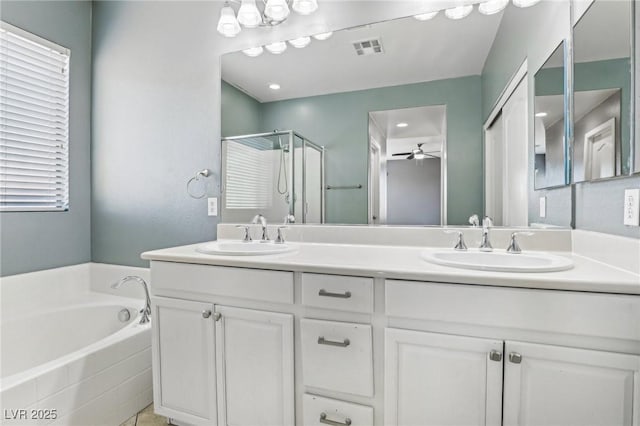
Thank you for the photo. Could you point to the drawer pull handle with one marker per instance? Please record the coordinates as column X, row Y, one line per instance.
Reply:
column 343, row 344
column 326, row 421
column 325, row 293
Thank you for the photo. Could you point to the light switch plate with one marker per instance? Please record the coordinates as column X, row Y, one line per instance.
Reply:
column 212, row 206
column 543, row 207
column 632, row 207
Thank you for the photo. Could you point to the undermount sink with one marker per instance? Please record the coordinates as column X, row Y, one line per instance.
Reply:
column 499, row 261
column 239, row 248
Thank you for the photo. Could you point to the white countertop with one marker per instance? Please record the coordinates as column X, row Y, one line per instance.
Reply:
column 401, row 262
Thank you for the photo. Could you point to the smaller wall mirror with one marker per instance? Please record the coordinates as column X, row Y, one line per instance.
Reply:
column 549, row 122
column 602, row 92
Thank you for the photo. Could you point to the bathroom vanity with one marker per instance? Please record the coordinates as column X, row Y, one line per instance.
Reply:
column 354, row 334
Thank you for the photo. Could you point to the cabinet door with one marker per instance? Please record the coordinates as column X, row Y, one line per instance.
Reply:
column 254, row 356
column 552, row 385
column 438, row 379
column 184, row 383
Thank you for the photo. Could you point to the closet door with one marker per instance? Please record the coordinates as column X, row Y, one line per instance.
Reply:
column 552, row 385
column 438, row 379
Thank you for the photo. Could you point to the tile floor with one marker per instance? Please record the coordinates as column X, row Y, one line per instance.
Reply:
column 146, row 417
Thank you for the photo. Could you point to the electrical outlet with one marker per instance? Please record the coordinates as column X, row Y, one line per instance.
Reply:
column 212, row 206
column 543, row 207
column 632, row 207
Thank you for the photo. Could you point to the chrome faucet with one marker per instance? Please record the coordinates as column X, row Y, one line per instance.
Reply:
column 474, row 220
column 514, row 247
column 263, row 222
column 289, row 219
column 485, row 244
column 146, row 312
column 460, row 244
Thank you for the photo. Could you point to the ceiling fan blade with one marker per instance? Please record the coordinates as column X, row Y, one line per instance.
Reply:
column 410, row 157
column 402, row 153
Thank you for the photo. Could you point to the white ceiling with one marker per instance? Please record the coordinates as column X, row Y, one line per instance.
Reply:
column 414, row 51
column 426, row 125
column 604, row 31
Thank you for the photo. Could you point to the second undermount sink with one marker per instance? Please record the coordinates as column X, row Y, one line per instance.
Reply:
column 499, row 261
column 239, row 248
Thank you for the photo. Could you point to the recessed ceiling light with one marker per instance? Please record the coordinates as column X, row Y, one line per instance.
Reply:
column 491, row 7
column 525, row 3
column 300, row 42
column 541, row 114
column 323, row 36
column 458, row 12
column 274, row 86
column 402, row 124
column 252, row 52
column 277, row 47
column 427, row 16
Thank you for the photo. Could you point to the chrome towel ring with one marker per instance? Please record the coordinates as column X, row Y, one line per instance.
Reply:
column 199, row 177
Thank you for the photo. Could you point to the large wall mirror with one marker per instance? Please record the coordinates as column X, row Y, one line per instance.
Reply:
column 603, row 75
column 394, row 112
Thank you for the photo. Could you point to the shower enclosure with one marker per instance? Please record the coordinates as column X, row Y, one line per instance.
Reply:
column 275, row 174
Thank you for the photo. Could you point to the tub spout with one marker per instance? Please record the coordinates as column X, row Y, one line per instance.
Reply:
column 146, row 312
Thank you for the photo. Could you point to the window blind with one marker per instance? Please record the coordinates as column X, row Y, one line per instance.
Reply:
column 34, row 121
column 248, row 177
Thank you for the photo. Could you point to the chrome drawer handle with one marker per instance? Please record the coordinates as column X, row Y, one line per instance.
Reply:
column 326, row 421
column 325, row 293
column 343, row 344
column 515, row 357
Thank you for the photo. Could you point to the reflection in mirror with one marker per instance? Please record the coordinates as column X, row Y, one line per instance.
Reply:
column 549, row 122
column 602, row 91
column 409, row 87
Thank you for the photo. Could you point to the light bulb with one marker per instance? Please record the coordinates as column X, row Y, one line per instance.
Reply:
column 252, row 52
column 525, row 3
column 458, row 12
column 305, row 7
column 228, row 25
column 419, row 156
column 323, row 36
column 249, row 15
column 277, row 47
column 492, row 6
column 427, row 16
column 300, row 42
column 274, row 86
column 278, row 10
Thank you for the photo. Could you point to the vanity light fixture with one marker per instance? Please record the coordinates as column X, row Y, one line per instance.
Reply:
column 427, row 16
column 305, row 7
column 525, row 3
column 300, row 42
column 228, row 25
column 274, row 12
column 402, row 125
column 541, row 114
column 252, row 52
column 491, row 7
column 276, row 48
column 274, row 86
column 323, row 36
column 458, row 12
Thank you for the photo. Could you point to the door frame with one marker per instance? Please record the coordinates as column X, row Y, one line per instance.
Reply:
column 608, row 126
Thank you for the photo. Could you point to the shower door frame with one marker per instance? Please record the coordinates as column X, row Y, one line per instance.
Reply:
column 305, row 142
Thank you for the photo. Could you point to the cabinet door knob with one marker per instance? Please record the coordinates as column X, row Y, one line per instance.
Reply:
column 217, row 316
column 515, row 357
column 206, row 314
column 495, row 356
column 326, row 421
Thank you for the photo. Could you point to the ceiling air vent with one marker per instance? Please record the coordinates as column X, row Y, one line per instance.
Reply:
column 368, row 47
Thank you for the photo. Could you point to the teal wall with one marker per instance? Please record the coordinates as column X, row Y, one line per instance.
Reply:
column 340, row 123
column 242, row 114
column 31, row 241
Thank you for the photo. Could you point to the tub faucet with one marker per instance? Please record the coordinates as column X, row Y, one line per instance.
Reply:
column 146, row 312
column 263, row 222
column 485, row 245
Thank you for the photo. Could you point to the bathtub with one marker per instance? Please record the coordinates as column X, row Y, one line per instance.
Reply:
column 71, row 353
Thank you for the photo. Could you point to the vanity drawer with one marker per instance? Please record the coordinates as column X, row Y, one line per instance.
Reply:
column 554, row 311
column 337, row 356
column 316, row 408
column 175, row 279
column 338, row 292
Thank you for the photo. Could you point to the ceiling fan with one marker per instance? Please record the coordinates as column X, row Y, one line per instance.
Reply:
column 417, row 154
